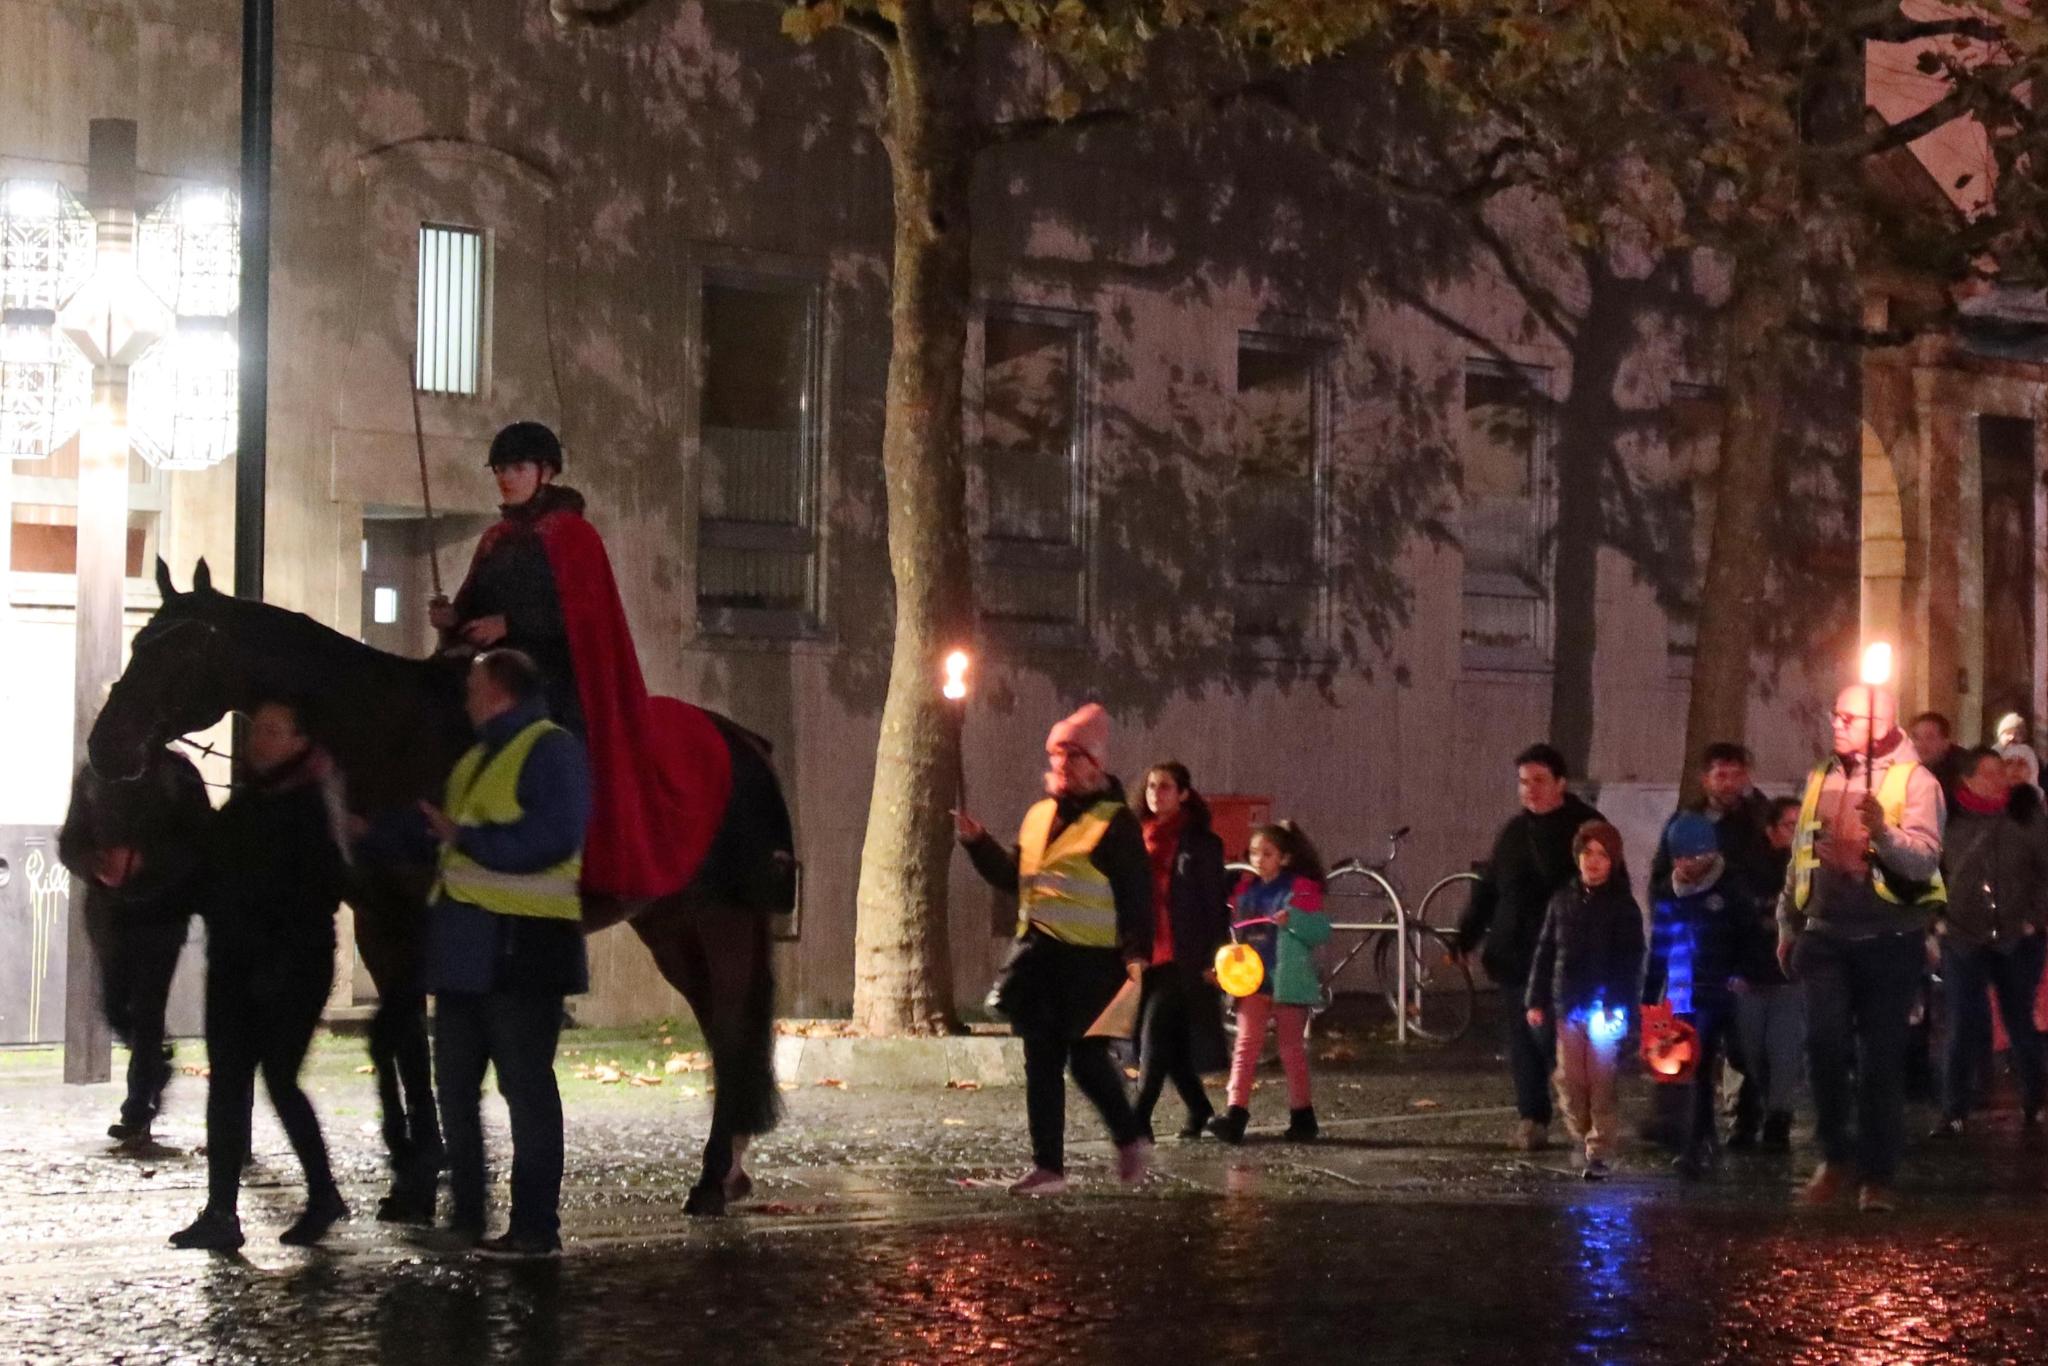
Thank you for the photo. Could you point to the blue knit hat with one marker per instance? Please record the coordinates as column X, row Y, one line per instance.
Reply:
column 1691, row 835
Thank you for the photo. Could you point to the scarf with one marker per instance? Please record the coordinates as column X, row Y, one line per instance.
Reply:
column 1162, row 842
column 1982, row 806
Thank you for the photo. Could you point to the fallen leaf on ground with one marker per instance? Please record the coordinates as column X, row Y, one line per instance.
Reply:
column 786, row 1086
column 1425, row 1103
column 950, row 1120
column 832, row 1081
column 963, row 1086
column 647, row 1079
column 366, row 1069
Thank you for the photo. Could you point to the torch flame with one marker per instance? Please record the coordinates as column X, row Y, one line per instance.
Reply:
column 955, row 689
column 1877, row 664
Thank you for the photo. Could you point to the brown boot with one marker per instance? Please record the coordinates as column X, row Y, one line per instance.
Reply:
column 1827, row 1182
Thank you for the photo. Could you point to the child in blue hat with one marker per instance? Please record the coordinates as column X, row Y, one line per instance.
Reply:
column 1696, row 942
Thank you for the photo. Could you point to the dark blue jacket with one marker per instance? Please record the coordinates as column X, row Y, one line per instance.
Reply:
column 470, row 949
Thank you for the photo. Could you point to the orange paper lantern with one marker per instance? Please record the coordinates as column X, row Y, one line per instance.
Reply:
column 1671, row 1047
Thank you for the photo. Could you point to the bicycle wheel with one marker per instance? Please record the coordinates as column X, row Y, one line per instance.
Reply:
column 1352, row 896
column 1444, row 904
column 1439, row 985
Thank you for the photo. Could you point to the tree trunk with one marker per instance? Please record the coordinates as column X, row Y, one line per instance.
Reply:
column 903, row 973
column 1738, row 557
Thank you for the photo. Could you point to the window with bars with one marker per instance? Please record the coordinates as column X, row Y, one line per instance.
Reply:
column 758, row 439
column 1033, row 440
column 448, row 338
column 1276, row 502
column 1692, row 436
column 1505, row 516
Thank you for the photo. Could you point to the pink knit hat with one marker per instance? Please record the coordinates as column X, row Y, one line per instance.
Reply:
column 1086, row 730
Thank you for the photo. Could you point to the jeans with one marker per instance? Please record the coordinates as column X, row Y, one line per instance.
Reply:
column 1713, row 1019
column 1532, row 1054
column 135, row 987
column 1290, row 1033
column 1585, row 1088
column 515, row 1033
column 1166, row 1045
column 1771, row 1022
column 1047, row 1057
column 1858, row 995
column 266, row 1027
column 1969, row 974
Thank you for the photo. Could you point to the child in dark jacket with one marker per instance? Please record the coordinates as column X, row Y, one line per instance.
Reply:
column 1589, row 961
column 1698, row 936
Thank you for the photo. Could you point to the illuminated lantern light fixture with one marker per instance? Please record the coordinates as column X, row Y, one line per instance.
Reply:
column 46, row 254
column 954, row 689
column 1671, row 1047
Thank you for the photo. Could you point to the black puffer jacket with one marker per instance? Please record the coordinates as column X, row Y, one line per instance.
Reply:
column 1531, row 860
column 163, row 816
column 1996, row 865
column 274, row 876
column 1589, row 950
column 516, row 581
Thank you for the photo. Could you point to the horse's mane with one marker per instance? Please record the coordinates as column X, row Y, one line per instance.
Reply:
column 305, row 649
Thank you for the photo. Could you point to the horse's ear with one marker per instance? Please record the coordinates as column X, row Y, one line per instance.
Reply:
column 202, row 577
column 164, row 586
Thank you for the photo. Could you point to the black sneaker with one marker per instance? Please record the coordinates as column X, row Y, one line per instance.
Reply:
column 210, row 1232
column 1230, row 1125
column 1948, row 1128
column 323, row 1212
column 131, row 1135
column 521, row 1245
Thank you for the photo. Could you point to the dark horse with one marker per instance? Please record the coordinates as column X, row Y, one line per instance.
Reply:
column 395, row 727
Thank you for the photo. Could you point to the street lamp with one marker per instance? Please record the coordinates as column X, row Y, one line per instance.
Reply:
column 145, row 304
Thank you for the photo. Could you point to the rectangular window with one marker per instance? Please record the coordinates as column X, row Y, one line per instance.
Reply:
column 1692, row 436
column 1505, row 517
column 448, row 342
column 757, row 426
column 1033, row 440
column 1276, row 502
column 42, row 549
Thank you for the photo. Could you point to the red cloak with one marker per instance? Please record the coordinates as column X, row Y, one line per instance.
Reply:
column 660, row 772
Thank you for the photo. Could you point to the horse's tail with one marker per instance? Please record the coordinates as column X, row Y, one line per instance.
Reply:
column 746, row 1083
column 752, row 860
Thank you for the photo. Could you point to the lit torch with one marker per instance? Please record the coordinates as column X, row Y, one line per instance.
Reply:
column 1877, row 672
column 954, row 690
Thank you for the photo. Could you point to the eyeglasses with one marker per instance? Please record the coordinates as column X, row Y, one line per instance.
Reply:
column 1849, row 718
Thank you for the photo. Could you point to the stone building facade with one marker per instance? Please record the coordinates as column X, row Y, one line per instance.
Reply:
column 1275, row 484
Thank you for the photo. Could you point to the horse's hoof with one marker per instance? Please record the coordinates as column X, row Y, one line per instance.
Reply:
column 738, row 1186
column 707, row 1201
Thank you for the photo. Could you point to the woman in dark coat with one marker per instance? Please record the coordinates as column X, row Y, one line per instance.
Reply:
column 1180, row 1029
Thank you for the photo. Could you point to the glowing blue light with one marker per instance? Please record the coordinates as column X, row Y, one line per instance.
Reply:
column 1607, row 1026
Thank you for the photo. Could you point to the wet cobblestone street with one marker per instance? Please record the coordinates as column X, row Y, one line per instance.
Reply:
column 879, row 1232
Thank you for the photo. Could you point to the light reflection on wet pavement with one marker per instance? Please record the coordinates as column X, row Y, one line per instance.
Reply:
column 880, row 1235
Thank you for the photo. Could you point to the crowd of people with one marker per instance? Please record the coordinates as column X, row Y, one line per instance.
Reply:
column 1792, row 938
column 1788, row 937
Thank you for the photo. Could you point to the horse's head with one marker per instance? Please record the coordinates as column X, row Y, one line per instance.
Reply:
column 179, row 679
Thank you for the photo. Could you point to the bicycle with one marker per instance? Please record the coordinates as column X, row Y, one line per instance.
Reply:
column 1364, row 902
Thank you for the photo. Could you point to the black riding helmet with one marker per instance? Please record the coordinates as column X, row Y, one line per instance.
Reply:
column 526, row 441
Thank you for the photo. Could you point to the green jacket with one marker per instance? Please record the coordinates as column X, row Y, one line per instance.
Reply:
column 1288, row 952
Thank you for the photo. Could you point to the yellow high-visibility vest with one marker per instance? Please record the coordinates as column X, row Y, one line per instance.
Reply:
column 1891, row 795
column 481, row 793
column 1060, row 890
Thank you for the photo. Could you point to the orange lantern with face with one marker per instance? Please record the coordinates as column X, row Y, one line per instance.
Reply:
column 1671, row 1047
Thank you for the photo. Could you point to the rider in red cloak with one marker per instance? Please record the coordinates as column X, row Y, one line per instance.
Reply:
column 541, row 582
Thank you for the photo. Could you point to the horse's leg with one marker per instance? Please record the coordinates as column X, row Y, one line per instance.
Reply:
column 399, row 1052
column 717, row 956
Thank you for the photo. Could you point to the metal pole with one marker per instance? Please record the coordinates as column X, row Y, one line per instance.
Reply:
column 100, row 571
column 1401, row 970
column 253, row 315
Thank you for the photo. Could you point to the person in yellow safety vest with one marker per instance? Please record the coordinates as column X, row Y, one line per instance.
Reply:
column 1860, row 895
column 1083, row 885
column 505, row 943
